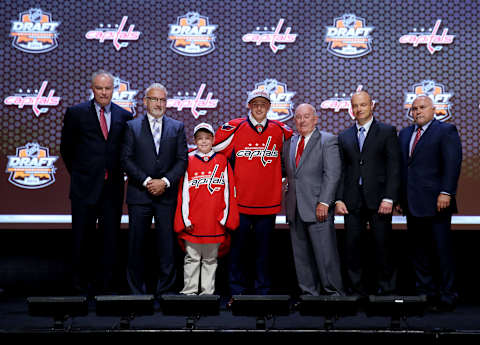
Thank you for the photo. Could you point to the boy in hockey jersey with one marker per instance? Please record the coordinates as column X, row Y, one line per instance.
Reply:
column 253, row 144
column 206, row 207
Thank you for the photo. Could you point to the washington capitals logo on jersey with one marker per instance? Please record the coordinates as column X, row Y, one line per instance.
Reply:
column 259, row 151
column 209, row 179
column 227, row 127
column 436, row 91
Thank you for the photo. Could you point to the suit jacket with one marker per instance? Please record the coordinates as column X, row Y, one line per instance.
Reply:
column 87, row 154
column 140, row 160
column 433, row 168
column 378, row 164
column 315, row 179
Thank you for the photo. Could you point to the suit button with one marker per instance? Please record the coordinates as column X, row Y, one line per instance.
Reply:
column 361, row 162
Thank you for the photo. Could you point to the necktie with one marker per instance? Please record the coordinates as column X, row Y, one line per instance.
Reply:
column 361, row 137
column 301, row 146
column 156, row 133
column 417, row 138
column 103, row 123
column 104, row 127
column 361, row 140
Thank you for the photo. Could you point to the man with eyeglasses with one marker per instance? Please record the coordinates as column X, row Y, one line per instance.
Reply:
column 154, row 157
column 90, row 146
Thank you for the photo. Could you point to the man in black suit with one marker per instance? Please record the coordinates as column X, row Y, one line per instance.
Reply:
column 90, row 147
column 431, row 154
column 368, row 189
column 154, row 156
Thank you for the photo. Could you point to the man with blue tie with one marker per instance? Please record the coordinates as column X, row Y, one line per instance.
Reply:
column 154, row 156
column 90, row 147
column 431, row 154
column 368, row 188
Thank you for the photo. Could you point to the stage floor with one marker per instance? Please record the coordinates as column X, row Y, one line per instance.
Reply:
column 462, row 325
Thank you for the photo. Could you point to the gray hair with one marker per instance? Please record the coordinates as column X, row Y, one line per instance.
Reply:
column 101, row 71
column 424, row 95
column 156, row 86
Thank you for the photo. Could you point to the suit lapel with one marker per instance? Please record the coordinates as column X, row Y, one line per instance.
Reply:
column 147, row 133
column 293, row 146
column 352, row 136
column 423, row 138
column 94, row 118
column 372, row 133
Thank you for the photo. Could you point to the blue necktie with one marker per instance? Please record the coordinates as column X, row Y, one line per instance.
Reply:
column 361, row 140
column 361, row 137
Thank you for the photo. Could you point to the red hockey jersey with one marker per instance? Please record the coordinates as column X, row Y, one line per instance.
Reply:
column 206, row 200
column 256, row 162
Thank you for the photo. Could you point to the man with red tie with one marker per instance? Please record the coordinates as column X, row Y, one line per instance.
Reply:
column 431, row 160
column 90, row 146
column 312, row 165
column 253, row 144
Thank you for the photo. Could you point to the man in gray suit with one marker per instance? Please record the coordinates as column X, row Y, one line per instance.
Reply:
column 313, row 168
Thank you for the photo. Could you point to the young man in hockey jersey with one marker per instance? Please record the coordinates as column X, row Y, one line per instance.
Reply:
column 206, row 207
column 253, row 144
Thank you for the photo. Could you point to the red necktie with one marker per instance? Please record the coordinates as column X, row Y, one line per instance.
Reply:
column 103, row 123
column 417, row 138
column 301, row 146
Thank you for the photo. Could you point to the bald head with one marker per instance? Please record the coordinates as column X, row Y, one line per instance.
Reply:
column 305, row 119
column 362, row 107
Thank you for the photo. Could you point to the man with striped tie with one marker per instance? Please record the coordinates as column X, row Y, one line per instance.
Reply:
column 154, row 156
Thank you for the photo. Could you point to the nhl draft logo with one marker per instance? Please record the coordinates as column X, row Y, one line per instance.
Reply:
column 210, row 179
column 349, row 37
column 34, row 32
column 436, row 91
column 193, row 102
column 429, row 38
column 258, row 37
column 192, row 35
column 32, row 167
column 34, row 99
column 122, row 95
column 115, row 34
column 281, row 108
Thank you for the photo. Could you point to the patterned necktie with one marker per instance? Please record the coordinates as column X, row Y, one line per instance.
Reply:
column 301, row 146
column 103, row 123
column 156, row 133
column 361, row 137
column 417, row 138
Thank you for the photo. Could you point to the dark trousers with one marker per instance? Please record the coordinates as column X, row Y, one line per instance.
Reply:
column 95, row 251
column 356, row 248
column 140, row 222
column 430, row 242
column 252, row 237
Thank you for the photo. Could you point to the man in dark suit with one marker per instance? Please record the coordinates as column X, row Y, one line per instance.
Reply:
column 154, row 156
column 431, row 159
column 90, row 147
column 368, row 189
column 312, row 164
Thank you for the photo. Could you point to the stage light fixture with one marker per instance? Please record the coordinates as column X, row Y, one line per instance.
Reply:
column 396, row 307
column 61, row 308
column 261, row 306
column 330, row 307
column 191, row 306
column 127, row 307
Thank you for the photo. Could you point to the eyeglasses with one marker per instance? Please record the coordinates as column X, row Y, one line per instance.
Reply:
column 156, row 100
